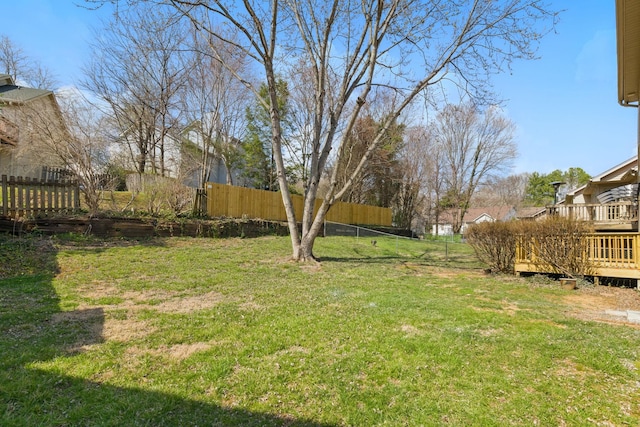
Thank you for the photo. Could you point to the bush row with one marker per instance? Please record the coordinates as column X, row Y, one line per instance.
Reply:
column 556, row 245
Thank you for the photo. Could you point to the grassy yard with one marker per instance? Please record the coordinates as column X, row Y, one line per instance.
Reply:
column 208, row 332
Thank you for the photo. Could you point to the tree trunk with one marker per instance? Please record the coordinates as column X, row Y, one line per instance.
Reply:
column 229, row 176
column 305, row 251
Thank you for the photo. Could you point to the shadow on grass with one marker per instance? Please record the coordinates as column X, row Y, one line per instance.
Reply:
column 92, row 242
column 427, row 259
column 33, row 330
column 457, row 264
column 363, row 259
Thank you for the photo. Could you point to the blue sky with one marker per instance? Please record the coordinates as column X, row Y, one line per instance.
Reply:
column 564, row 104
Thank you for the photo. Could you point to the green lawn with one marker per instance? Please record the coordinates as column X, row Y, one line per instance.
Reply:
column 208, row 332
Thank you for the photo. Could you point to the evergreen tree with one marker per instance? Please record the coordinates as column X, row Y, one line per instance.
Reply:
column 540, row 191
column 259, row 165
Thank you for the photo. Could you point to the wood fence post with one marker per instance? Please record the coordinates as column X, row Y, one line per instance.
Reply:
column 20, row 188
column 27, row 196
column 5, row 196
column 63, row 194
column 49, row 198
column 42, row 189
column 76, row 190
column 12, row 196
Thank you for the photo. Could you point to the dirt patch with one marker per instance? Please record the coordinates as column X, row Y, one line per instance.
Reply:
column 134, row 355
column 97, row 325
column 452, row 273
column 410, row 331
column 593, row 302
column 87, row 324
column 184, row 305
column 614, row 297
column 159, row 300
column 311, row 267
column 569, row 369
column 125, row 330
column 82, row 315
column 506, row 307
column 250, row 305
column 117, row 321
column 176, row 351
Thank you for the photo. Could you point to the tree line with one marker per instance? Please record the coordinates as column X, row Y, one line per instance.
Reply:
column 323, row 99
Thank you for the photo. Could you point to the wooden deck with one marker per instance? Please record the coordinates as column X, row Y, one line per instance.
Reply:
column 612, row 254
column 619, row 216
column 9, row 132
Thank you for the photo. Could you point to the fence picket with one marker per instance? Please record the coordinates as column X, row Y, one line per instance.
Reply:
column 30, row 197
column 20, row 188
column 5, row 195
column 235, row 202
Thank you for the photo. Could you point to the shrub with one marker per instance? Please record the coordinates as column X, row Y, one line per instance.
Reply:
column 161, row 193
column 560, row 245
column 495, row 243
column 556, row 245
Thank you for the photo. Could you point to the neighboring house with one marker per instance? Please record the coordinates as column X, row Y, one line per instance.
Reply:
column 127, row 153
column 615, row 184
column 608, row 200
column 473, row 216
column 531, row 213
column 487, row 214
column 216, row 169
column 182, row 159
column 23, row 151
column 444, row 225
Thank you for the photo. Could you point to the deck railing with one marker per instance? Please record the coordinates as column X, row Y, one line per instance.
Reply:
column 9, row 132
column 619, row 212
column 610, row 254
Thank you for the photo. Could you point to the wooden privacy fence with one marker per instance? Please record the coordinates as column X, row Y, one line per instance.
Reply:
column 27, row 197
column 238, row 202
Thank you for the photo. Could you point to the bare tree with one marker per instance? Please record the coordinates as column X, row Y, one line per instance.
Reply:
column 137, row 71
column 476, row 146
column 22, row 68
column 507, row 191
column 214, row 104
column 355, row 46
column 73, row 137
column 300, row 117
column 415, row 160
column 13, row 60
column 422, row 187
column 378, row 184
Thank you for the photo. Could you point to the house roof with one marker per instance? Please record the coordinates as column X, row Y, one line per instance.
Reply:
column 530, row 212
column 446, row 217
column 628, row 46
column 497, row 213
column 618, row 172
column 623, row 173
column 10, row 93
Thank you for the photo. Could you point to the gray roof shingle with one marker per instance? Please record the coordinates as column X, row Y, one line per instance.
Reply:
column 12, row 93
